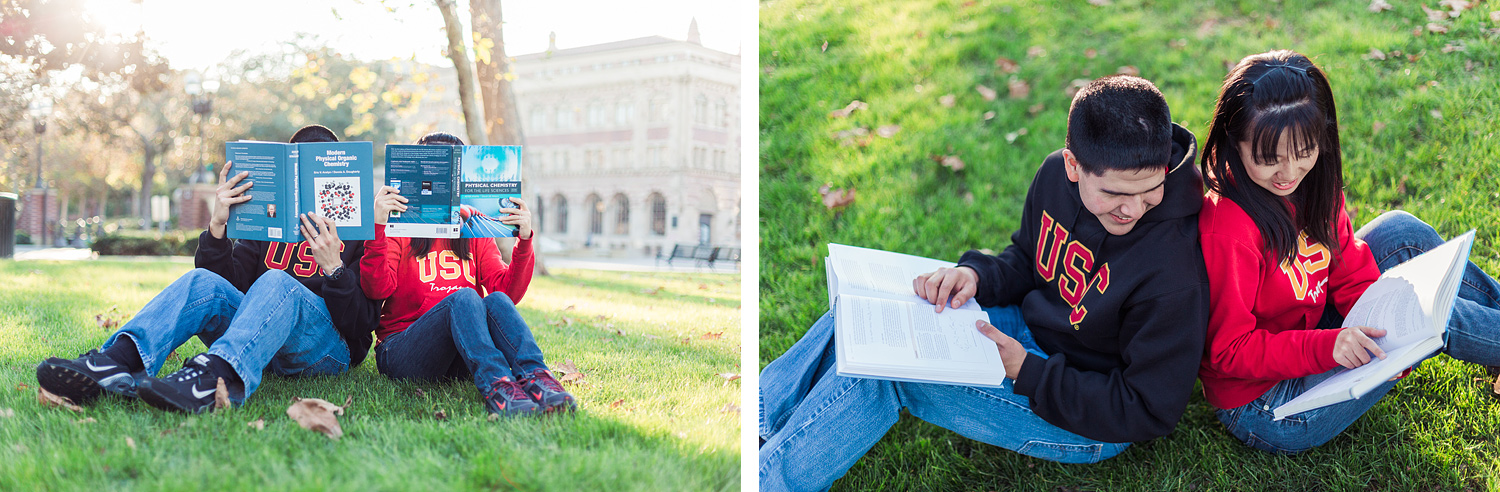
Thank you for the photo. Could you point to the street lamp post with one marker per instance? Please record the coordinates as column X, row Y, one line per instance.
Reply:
column 202, row 94
column 40, row 109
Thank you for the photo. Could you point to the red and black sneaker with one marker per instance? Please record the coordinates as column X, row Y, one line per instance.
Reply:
column 506, row 398
column 546, row 390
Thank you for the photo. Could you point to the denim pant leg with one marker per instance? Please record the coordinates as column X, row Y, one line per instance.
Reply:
column 785, row 381
column 841, row 418
column 199, row 303
column 1473, row 333
column 1253, row 423
column 513, row 338
column 454, row 329
column 284, row 326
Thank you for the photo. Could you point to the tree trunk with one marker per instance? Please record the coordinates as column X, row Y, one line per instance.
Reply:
column 148, row 180
column 467, row 83
column 502, row 117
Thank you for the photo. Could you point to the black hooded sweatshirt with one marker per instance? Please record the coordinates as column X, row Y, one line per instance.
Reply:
column 241, row 262
column 1122, row 318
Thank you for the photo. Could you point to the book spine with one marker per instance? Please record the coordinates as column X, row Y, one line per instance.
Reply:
column 293, row 167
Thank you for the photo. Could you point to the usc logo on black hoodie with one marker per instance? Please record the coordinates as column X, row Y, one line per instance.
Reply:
column 1077, row 263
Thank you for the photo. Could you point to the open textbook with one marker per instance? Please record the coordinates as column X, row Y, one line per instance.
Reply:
column 453, row 191
column 332, row 179
column 1411, row 302
column 883, row 330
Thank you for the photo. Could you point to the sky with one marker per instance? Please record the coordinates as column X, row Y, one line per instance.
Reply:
column 196, row 34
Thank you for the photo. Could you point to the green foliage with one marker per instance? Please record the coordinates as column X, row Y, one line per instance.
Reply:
column 636, row 337
column 1416, row 130
column 138, row 243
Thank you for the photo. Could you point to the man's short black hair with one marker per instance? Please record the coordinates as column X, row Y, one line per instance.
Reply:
column 440, row 138
column 314, row 133
column 1120, row 123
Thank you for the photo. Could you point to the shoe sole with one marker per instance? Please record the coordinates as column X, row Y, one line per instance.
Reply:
column 149, row 396
column 68, row 383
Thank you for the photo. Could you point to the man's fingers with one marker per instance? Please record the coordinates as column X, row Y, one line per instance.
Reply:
column 224, row 172
column 992, row 333
column 944, row 290
column 237, row 200
column 918, row 285
column 237, row 178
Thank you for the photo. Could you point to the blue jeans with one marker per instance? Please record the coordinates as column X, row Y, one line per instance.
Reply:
column 816, row 424
column 462, row 336
column 1473, row 335
column 278, row 324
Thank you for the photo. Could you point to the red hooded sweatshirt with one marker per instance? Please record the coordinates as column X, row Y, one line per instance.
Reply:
column 1263, row 312
column 410, row 286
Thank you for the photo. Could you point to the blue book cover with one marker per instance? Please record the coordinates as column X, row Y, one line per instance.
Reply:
column 331, row 179
column 427, row 176
column 453, row 191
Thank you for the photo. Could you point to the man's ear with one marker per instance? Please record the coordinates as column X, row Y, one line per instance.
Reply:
column 1070, row 163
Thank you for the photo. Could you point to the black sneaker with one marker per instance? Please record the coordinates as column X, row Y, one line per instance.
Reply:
column 546, row 390
column 506, row 398
column 190, row 389
column 85, row 378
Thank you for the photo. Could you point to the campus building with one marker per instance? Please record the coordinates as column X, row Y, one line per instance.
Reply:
column 632, row 146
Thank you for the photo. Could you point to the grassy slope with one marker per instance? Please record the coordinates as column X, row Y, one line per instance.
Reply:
column 1434, row 431
column 670, row 432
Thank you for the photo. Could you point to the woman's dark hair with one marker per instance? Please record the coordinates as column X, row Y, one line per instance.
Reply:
column 1266, row 96
column 420, row 246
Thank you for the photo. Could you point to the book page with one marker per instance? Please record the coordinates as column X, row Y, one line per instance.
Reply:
column 263, row 218
column 883, row 274
column 1391, row 304
column 490, row 177
column 423, row 174
column 891, row 332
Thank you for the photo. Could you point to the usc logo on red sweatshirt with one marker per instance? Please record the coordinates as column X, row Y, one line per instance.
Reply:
column 444, row 264
column 1311, row 259
column 1077, row 273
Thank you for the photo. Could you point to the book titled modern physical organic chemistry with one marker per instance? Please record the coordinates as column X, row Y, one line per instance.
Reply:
column 883, row 330
column 1412, row 303
column 453, row 191
column 332, row 179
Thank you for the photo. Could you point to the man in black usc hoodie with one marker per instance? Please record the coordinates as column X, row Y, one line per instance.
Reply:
column 295, row 308
column 1099, row 307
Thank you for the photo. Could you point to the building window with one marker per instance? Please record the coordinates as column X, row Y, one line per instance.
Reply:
column 564, row 119
column 596, row 114
column 596, row 214
column 624, row 113
column 560, row 203
column 700, row 157
column 658, row 214
column 538, row 119
column 719, row 160
column 721, row 114
column 622, row 215
column 560, row 160
column 700, row 110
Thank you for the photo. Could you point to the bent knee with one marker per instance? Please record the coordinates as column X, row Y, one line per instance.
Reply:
column 499, row 300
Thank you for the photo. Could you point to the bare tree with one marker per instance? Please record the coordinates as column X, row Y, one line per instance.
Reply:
column 468, row 84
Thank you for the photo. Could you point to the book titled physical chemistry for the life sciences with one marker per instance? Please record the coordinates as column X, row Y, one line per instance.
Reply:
column 883, row 330
column 331, row 179
column 453, row 191
column 1412, row 303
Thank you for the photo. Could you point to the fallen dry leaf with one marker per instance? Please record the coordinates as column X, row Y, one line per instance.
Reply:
column 1090, row 53
column 617, row 403
column 1019, row 89
column 1496, row 386
column 1435, row 15
column 106, row 322
column 47, row 399
column 221, row 396
column 130, row 442
column 1495, row 16
column 825, row 46
column 419, row 392
column 888, row 131
column 1401, row 187
column 318, row 415
column 1469, row 64
column 440, row 415
column 1035, row 109
column 729, row 376
column 711, row 336
column 1437, row 28
column 987, row 93
column 952, row 162
column 1129, row 70
column 493, row 417
column 1099, row 3
column 1075, row 86
column 1457, row 6
column 836, row 198
column 947, row 100
column 1206, row 28
column 1413, row 57
column 729, row 407
column 1378, row 6
column 1007, row 65
column 989, row 115
column 852, row 107
column 1375, row 54
column 257, row 424
column 88, row 420
column 1378, row 127
column 1436, row 114
column 1035, row 51
column 22, row 386
column 1178, row 43
column 1012, row 136
column 570, row 307
column 7, row 413
column 1452, row 47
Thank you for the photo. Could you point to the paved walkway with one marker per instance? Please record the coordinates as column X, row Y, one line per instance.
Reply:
column 26, row 252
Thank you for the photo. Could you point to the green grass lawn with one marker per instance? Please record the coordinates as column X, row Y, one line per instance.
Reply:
column 1417, row 130
column 654, row 413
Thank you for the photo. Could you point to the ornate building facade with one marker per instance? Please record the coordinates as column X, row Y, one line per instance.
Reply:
column 632, row 146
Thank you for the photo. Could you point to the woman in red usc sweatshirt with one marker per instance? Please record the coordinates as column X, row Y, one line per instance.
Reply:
column 449, row 309
column 1285, row 265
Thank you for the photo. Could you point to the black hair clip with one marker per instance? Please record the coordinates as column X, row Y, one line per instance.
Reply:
column 1274, row 66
